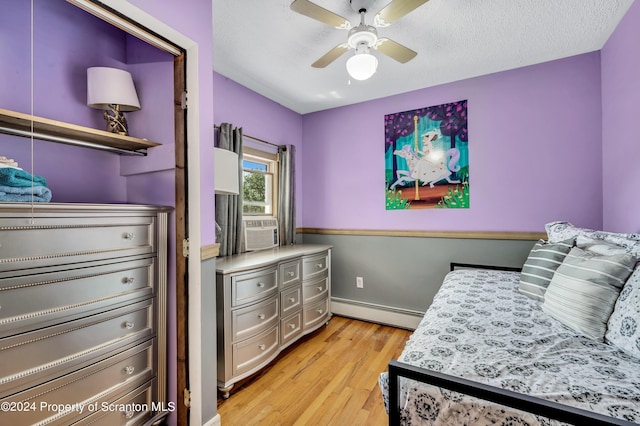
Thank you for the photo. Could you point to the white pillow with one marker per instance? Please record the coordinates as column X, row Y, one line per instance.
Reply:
column 599, row 246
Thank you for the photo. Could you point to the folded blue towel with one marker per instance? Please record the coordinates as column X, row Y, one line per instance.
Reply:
column 38, row 194
column 19, row 178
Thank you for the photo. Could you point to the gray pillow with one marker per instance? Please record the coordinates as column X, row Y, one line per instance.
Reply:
column 584, row 290
column 542, row 262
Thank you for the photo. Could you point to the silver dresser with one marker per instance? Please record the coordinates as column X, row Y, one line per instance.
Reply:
column 266, row 301
column 83, row 314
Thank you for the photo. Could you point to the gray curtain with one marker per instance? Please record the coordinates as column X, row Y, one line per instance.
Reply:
column 229, row 207
column 286, row 190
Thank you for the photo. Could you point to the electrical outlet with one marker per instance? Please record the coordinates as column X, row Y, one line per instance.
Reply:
column 359, row 282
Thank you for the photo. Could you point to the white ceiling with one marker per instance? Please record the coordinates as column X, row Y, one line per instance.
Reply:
column 268, row 48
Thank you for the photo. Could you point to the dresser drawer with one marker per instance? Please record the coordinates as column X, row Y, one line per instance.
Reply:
column 32, row 358
column 45, row 299
column 315, row 290
column 132, row 409
column 253, row 352
column 52, row 241
column 251, row 287
column 315, row 266
column 290, row 301
column 316, row 314
column 249, row 321
column 76, row 391
column 290, row 273
column 290, row 328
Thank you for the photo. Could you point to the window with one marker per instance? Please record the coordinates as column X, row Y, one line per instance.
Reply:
column 259, row 180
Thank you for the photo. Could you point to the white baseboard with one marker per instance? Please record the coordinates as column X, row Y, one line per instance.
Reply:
column 402, row 318
column 214, row 421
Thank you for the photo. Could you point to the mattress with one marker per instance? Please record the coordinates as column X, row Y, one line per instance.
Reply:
column 481, row 328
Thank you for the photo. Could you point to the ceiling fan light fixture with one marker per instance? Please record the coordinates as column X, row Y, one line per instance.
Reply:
column 362, row 66
column 362, row 34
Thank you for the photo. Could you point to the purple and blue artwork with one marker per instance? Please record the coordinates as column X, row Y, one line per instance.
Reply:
column 427, row 158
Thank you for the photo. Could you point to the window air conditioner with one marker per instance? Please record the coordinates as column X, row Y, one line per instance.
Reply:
column 260, row 233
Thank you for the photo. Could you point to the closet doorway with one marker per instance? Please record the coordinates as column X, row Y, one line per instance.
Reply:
column 180, row 224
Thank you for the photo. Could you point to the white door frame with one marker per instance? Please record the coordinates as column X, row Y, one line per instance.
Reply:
column 193, row 159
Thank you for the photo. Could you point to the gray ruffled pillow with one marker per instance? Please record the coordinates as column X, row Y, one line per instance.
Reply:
column 623, row 328
column 559, row 231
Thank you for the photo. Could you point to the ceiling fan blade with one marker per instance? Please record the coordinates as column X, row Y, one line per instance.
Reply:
column 312, row 10
column 396, row 10
column 331, row 56
column 395, row 50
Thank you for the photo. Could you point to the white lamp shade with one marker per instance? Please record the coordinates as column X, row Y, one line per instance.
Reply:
column 362, row 66
column 226, row 172
column 111, row 86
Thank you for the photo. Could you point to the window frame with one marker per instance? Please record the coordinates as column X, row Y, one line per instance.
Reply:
column 270, row 160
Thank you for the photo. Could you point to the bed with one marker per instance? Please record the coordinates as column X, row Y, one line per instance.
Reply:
column 484, row 337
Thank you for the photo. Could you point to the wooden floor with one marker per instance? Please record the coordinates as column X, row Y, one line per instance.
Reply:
column 327, row 378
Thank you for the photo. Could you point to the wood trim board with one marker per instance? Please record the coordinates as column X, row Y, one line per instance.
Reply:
column 210, row 251
column 483, row 235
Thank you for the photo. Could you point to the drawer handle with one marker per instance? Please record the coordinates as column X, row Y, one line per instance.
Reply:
column 129, row 369
column 292, row 326
column 262, row 347
column 260, row 284
column 319, row 265
column 129, row 325
column 128, row 415
column 128, row 280
column 320, row 311
column 320, row 288
column 128, row 235
column 292, row 299
column 291, row 273
column 261, row 316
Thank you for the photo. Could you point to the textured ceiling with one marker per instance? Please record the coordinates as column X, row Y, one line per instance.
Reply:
column 265, row 46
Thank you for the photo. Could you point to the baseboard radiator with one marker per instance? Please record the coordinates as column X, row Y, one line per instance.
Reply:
column 387, row 315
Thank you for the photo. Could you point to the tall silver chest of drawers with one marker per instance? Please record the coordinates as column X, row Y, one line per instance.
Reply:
column 266, row 301
column 83, row 314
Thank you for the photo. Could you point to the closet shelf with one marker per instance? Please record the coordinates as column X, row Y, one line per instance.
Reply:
column 19, row 124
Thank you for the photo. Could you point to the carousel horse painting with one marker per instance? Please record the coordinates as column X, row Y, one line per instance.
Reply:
column 426, row 157
column 427, row 166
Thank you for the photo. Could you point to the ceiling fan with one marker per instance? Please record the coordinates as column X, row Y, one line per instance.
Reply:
column 363, row 37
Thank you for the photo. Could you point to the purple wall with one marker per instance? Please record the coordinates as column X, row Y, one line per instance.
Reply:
column 261, row 118
column 154, row 121
column 193, row 18
column 64, row 47
column 15, row 30
column 621, row 109
column 534, row 154
column 67, row 42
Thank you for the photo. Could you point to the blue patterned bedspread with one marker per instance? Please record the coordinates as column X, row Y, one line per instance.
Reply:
column 481, row 328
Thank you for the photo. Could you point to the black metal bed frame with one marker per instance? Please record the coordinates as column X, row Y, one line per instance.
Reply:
column 539, row 406
column 530, row 404
column 454, row 265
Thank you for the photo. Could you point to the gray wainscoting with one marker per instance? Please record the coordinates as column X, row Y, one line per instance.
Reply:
column 402, row 274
